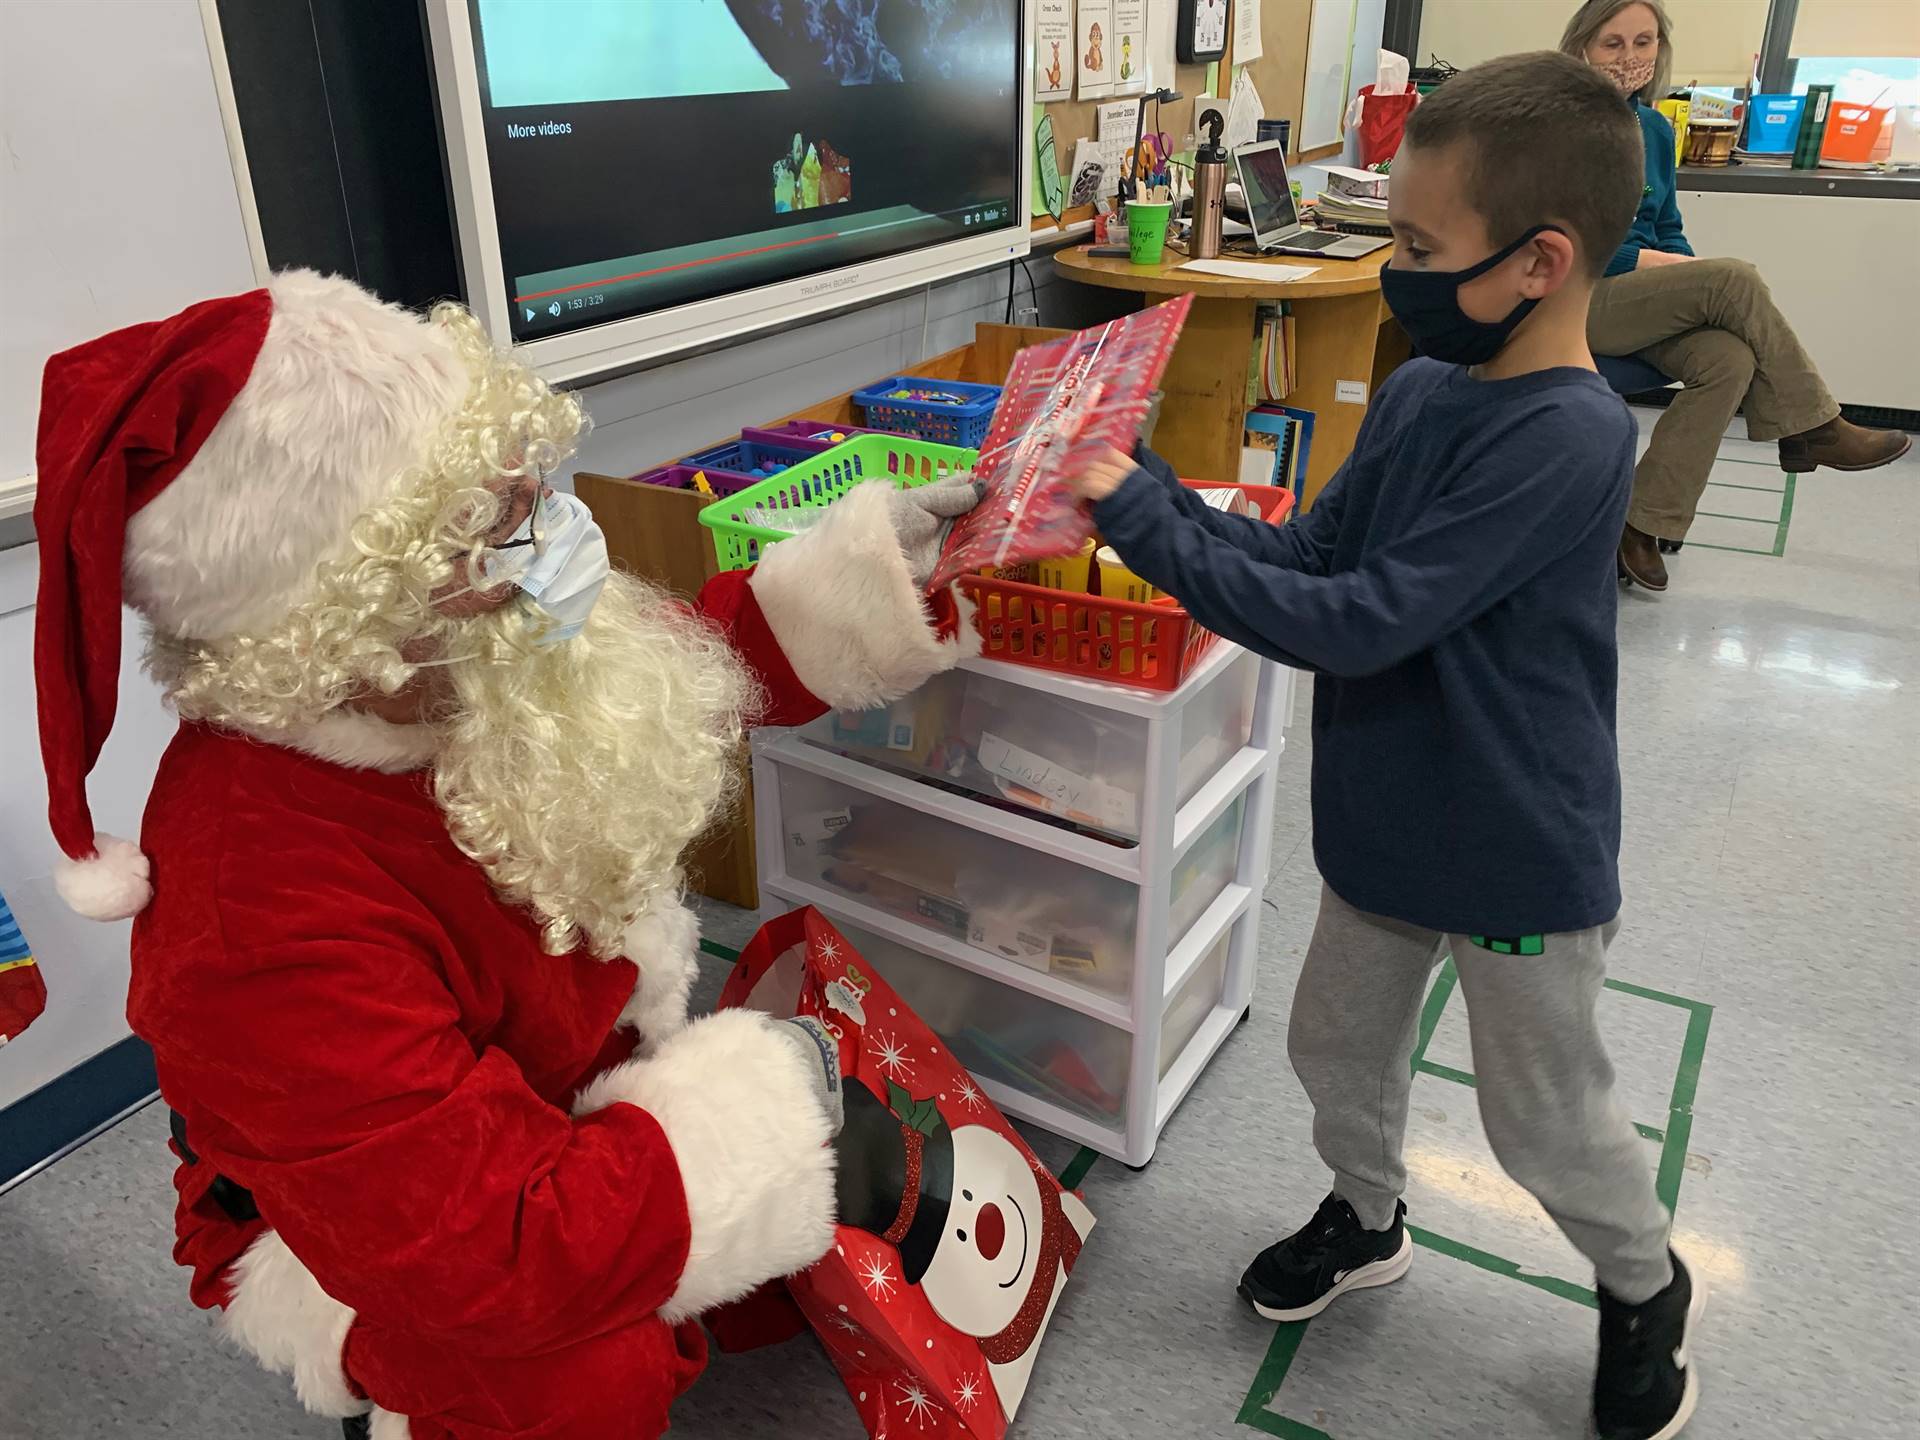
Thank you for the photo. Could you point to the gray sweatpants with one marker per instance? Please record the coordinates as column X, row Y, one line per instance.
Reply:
column 1543, row 1078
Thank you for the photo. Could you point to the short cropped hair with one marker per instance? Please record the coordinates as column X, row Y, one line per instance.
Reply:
column 1544, row 139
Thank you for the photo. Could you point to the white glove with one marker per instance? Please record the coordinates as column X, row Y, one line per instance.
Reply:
column 808, row 1036
column 922, row 516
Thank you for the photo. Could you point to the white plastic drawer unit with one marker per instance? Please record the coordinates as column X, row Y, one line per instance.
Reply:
column 1010, row 740
column 1038, row 911
column 1006, row 1039
column 1063, row 878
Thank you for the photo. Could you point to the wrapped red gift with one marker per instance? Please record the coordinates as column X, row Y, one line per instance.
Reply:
column 1065, row 403
column 954, row 1240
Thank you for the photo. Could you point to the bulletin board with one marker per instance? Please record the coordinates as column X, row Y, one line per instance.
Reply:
column 1279, row 74
column 1076, row 120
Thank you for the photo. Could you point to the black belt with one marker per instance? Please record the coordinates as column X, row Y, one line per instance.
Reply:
column 236, row 1200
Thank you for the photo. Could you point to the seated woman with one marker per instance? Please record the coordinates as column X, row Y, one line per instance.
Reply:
column 1710, row 324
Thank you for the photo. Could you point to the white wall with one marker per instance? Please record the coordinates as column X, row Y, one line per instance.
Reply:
column 1863, row 275
column 84, row 963
column 117, row 202
column 1714, row 41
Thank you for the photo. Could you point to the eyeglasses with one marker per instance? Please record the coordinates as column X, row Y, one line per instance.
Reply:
column 533, row 530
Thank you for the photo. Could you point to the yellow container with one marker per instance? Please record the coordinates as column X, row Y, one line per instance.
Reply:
column 1072, row 573
column 1676, row 112
column 1117, row 582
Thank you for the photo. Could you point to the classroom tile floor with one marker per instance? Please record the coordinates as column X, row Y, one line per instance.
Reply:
column 1762, row 1013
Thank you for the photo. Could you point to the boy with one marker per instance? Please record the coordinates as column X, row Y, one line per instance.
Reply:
column 1454, row 589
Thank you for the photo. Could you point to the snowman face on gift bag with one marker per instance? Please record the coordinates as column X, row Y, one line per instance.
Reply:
column 986, row 1262
column 985, row 1238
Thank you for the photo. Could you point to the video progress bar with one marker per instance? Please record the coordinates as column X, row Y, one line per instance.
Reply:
column 737, row 255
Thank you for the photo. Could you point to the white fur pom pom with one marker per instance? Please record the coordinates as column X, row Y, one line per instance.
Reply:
column 113, row 885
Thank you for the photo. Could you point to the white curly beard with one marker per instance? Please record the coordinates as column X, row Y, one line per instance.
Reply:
column 577, row 774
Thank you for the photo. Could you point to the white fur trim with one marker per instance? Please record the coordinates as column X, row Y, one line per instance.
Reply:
column 389, row 1426
column 747, row 1128
column 664, row 944
column 843, row 605
column 361, row 742
column 281, row 1317
column 344, row 395
column 114, row 885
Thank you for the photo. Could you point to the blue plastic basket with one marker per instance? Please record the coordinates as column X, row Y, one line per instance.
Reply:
column 751, row 458
column 1774, row 123
column 961, row 420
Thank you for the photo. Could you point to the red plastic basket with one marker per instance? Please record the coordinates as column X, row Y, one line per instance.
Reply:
column 1153, row 647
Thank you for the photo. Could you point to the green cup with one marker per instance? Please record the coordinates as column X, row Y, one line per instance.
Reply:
column 1147, row 230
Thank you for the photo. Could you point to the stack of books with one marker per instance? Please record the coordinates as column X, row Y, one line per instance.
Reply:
column 1275, row 447
column 1354, row 201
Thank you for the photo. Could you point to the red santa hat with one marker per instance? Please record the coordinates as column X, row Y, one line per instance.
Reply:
column 199, row 469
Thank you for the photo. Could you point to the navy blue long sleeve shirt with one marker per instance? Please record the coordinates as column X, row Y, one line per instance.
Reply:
column 1454, row 589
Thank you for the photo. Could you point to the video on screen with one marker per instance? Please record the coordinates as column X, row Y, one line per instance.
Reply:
column 648, row 153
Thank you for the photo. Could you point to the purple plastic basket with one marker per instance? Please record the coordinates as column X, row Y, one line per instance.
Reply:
column 680, row 477
column 796, row 432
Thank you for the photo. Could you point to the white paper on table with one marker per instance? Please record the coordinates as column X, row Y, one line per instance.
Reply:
column 1268, row 270
column 1243, row 113
column 1129, row 46
column 1162, row 16
column 1093, row 55
column 1053, row 66
column 1246, row 31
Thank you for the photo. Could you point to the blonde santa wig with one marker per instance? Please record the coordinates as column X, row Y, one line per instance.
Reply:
column 576, row 773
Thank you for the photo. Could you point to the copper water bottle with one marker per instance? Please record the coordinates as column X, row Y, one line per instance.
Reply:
column 1209, row 191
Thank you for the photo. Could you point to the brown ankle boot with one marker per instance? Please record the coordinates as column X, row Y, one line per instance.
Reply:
column 1640, row 560
column 1842, row 445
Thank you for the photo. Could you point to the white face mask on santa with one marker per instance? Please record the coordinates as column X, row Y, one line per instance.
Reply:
column 558, row 561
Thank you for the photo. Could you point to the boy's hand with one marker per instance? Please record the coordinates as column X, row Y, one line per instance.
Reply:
column 1104, row 475
column 1649, row 259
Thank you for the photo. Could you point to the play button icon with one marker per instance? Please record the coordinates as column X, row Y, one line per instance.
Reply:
column 529, row 313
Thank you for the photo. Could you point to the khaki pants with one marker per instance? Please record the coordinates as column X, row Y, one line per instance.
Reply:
column 1712, row 325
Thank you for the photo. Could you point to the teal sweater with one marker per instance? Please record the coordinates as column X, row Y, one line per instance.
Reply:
column 1656, row 226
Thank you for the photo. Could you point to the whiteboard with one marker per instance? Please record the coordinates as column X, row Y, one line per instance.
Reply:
column 117, row 201
column 1329, row 63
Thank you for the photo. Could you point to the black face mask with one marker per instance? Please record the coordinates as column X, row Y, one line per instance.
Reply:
column 1427, row 305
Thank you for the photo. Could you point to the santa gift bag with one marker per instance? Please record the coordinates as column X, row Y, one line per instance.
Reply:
column 954, row 1241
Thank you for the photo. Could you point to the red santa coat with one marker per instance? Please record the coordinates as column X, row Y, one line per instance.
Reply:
column 358, row 1032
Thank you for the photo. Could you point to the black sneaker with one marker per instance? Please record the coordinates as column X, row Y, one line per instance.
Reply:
column 1645, row 1388
column 1334, row 1253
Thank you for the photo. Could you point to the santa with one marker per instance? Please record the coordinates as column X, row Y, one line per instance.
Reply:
column 410, row 948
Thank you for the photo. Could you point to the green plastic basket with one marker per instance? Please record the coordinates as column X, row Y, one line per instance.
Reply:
column 817, row 482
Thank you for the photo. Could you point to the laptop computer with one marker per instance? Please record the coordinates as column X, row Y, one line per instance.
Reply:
column 1275, row 222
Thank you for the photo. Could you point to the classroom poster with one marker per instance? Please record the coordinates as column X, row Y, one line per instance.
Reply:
column 1053, row 50
column 1130, row 41
column 1093, row 49
column 1246, row 31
